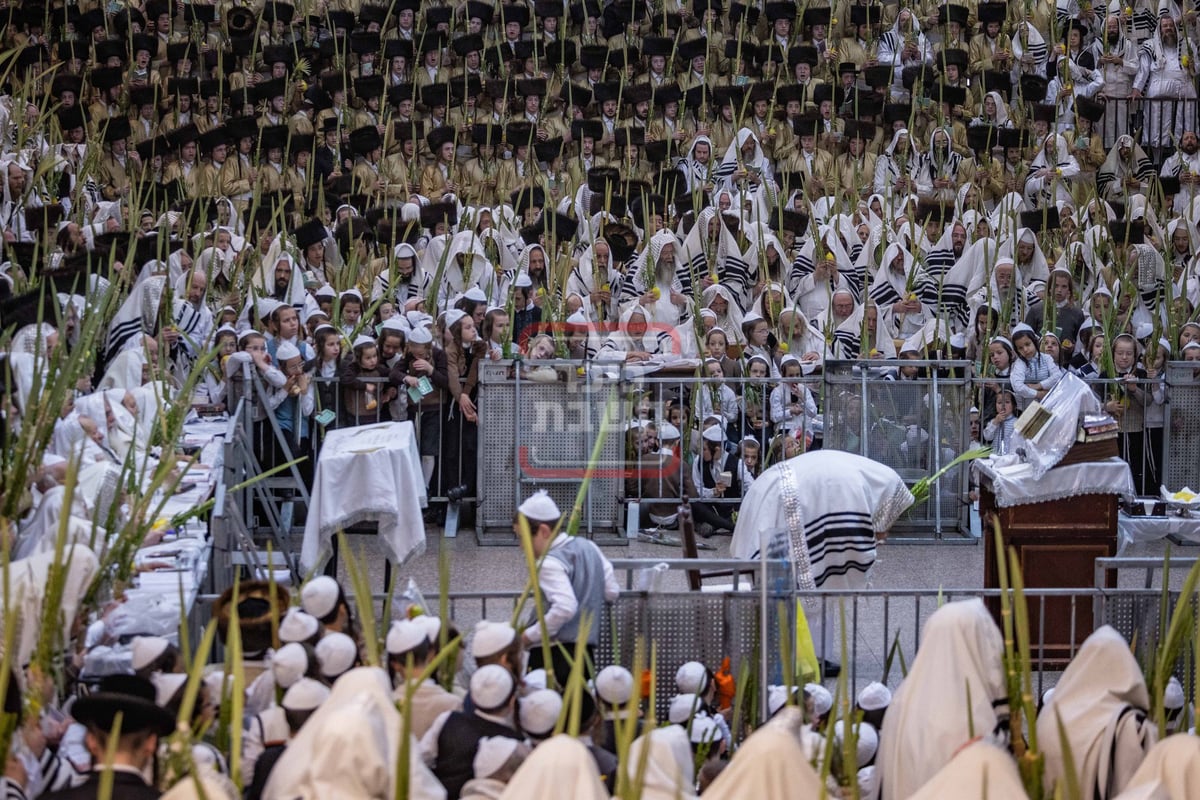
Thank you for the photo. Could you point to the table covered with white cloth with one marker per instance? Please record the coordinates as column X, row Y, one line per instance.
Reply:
column 1014, row 484
column 170, row 574
column 1135, row 529
column 367, row 473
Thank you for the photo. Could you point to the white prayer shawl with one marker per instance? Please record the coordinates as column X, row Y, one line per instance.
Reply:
column 935, row 164
column 124, row 435
column 773, row 764
column 697, row 174
column 655, row 340
column 668, row 771
column 454, row 280
column 1110, row 179
column 766, row 255
column 1033, row 45
column 139, row 314
column 348, row 748
column 558, row 768
column 1000, row 118
column 263, row 285
column 1170, row 771
column 1016, row 300
column 214, row 261
column 733, row 161
column 847, row 339
column 29, row 582
column 588, row 277
column 1041, row 191
column 891, row 52
column 889, row 287
column 977, row 772
column 1036, row 269
column 731, row 320
column 956, row 676
column 891, row 166
column 824, row 509
column 1177, row 164
column 641, row 276
column 194, row 322
column 700, row 256
column 1103, row 703
column 804, row 338
column 851, row 271
column 415, row 287
column 125, row 371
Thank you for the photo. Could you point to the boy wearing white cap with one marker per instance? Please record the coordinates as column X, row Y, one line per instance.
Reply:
column 575, row 579
column 450, row 746
column 299, row 702
column 409, row 651
column 496, row 761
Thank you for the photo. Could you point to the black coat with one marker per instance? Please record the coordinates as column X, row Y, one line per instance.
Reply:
column 126, row 786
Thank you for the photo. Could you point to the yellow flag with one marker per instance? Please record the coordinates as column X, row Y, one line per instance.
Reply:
column 808, row 666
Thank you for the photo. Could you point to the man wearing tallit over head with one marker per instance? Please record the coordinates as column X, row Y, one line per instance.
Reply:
column 823, row 511
column 348, row 748
column 1103, row 703
column 953, row 693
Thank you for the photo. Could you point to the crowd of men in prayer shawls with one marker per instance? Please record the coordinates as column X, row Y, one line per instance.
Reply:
column 355, row 205
column 442, row 715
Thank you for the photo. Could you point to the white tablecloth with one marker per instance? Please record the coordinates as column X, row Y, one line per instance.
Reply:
column 368, row 473
column 1150, row 529
column 1015, row 485
column 152, row 603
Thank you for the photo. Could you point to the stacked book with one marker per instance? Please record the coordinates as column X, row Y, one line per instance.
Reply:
column 1096, row 440
column 1097, row 428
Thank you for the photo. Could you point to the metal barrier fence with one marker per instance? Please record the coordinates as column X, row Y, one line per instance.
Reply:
column 1161, row 121
column 710, row 626
column 539, row 426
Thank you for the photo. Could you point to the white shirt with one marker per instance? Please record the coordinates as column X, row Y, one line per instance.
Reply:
column 560, row 595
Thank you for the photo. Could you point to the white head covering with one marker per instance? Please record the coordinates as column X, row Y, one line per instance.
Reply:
column 490, row 638
column 493, row 753
column 1103, row 701
column 320, row 596
column 560, row 767
column 289, row 664
column 147, row 648
column 538, row 712
column 336, row 653
column 1170, row 771
column 540, row 506
column 668, row 771
column 770, row 764
column 305, row 695
column 348, row 747
column 683, row 707
column 979, row 771
column 926, row 724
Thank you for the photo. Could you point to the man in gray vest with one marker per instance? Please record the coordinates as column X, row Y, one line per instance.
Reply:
column 575, row 579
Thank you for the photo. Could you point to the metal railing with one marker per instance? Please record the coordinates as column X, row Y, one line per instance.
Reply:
column 1157, row 122
column 733, row 622
column 538, row 433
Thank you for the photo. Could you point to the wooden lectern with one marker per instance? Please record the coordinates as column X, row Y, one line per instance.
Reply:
column 1057, row 543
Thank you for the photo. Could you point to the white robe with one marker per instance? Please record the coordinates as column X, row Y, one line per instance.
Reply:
column 830, row 506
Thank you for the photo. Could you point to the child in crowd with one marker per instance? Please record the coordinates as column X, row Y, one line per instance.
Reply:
column 1033, row 372
column 350, row 309
column 748, row 466
column 715, row 397
column 362, row 397
column 1000, row 429
column 426, row 409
